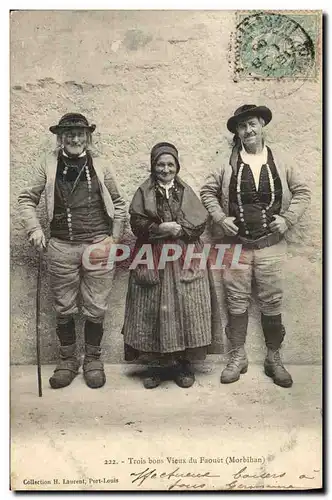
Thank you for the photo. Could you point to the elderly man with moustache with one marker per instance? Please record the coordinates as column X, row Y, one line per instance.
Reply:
column 255, row 199
column 84, row 207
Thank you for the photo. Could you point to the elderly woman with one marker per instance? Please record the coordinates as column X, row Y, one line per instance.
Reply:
column 170, row 309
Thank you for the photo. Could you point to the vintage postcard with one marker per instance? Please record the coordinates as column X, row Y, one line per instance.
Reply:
column 166, row 250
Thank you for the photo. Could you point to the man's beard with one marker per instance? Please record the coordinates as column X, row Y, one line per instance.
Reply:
column 73, row 155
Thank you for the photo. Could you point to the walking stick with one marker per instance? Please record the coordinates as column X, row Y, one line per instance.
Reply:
column 39, row 273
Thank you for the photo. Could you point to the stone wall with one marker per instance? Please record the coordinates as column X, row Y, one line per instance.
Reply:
column 144, row 77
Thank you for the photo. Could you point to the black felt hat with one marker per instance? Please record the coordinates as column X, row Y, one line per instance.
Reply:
column 72, row 120
column 248, row 110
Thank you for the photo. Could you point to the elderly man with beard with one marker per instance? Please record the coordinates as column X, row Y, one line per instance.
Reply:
column 255, row 199
column 84, row 207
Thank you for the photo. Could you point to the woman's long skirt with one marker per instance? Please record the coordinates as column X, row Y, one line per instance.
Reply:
column 171, row 311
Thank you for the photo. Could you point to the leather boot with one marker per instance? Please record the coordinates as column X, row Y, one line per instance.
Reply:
column 67, row 367
column 274, row 368
column 236, row 332
column 93, row 368
column 274, row 333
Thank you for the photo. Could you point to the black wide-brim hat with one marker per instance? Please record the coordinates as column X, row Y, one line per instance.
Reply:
column 247, row 110
column 72, row 120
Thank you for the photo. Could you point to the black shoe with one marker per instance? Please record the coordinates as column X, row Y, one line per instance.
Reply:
column 184, row 376
column 152, row 379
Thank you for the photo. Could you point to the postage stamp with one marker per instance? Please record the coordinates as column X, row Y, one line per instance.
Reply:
column 272, row 45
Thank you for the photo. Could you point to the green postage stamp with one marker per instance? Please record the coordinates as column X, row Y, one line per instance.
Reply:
column 274, row 45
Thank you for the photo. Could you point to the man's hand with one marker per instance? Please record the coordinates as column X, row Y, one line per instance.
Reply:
column 37, row 239
column 278, row 225
column 230, row 229
column 172, row 228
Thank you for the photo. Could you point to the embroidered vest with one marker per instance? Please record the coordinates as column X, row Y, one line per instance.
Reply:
column 79, row 212
column 254, row 208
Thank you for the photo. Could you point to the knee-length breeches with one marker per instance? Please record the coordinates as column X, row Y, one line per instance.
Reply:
column 72, row 284
column 265, row 268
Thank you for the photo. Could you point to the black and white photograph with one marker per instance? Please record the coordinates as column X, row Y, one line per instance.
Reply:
column 166, row 296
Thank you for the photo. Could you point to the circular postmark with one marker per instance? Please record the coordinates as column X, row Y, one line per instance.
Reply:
column 273, row 46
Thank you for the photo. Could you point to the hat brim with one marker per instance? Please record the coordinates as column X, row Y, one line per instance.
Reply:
column 56, row 129
column 260, row 111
